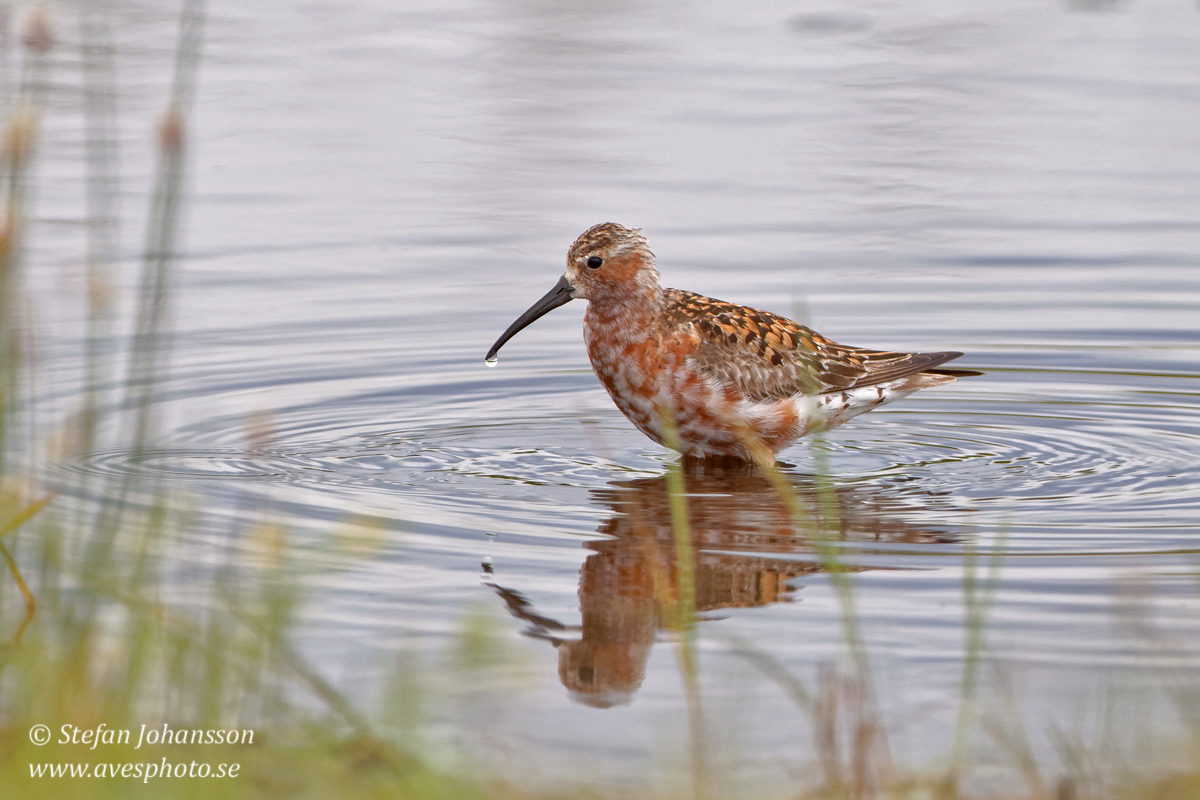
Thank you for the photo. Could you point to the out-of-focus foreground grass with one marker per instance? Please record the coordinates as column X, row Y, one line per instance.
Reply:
column 95, row 634
column 95, row 629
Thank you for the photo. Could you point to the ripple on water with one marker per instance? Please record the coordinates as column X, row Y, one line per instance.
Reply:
column 411, row 460
column 183, row 464
column 1048, row 456
column 1097, row 457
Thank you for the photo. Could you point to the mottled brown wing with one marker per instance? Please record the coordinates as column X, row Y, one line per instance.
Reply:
column 768, row 357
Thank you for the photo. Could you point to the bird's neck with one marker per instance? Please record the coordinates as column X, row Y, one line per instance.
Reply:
column 623, row 319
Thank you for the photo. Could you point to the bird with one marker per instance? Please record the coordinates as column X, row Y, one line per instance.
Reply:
column 711, row 379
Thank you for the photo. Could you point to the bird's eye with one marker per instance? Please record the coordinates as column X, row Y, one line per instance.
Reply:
column 594, row 262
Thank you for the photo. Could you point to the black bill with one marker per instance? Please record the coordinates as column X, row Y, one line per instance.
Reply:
column 558, row 296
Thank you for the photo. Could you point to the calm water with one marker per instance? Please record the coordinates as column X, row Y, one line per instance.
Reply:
column 378, row 191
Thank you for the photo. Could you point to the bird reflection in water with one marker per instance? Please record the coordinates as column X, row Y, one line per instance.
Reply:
column 746, row 548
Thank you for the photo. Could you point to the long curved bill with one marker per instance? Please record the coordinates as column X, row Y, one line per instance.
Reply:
column 560, row 295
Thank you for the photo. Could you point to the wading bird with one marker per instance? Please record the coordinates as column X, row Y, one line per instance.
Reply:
column 709, row 378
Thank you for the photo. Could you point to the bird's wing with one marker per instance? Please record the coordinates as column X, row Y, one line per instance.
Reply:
column 767, row 357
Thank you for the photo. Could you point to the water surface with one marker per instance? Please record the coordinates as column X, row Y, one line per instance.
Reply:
column 377, row 192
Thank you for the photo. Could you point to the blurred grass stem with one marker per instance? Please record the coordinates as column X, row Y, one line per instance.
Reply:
column 683, row 618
